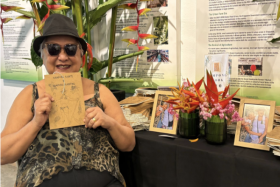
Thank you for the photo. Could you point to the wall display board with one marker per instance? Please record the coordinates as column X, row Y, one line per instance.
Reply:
column 15, row 49
column 160, row 63
column 242, row 29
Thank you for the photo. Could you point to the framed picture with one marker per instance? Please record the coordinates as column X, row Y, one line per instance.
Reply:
column 162, row 120
column 257, row 121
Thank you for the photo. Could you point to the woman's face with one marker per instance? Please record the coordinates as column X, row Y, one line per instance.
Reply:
column 62, row 62
column 260, row 113
column 251, row 116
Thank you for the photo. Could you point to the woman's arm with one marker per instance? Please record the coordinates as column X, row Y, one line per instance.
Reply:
column 158, row 112
column 265, row 131
column 21, row 127
column 111, row 119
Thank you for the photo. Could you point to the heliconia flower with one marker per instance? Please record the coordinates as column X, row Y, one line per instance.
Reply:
column 43, row 21
column 130, row 28
column 9, row 8
column 84, row 60
column 23, row 17
column 147, row 36
column 57, row 7
column 89, row 51
column 4, row 20
column 82, row 35
column 143, row 11
column 143, row 48
column 130, row 41
column 128, row 6
column 55, row 1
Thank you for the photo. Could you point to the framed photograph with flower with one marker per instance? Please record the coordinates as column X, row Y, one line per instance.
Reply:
column 163, row 119
column 257, row 121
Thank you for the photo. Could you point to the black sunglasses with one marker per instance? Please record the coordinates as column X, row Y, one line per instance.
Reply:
column 54, row 49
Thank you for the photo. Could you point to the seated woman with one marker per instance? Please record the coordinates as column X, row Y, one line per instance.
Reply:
column 84, row 155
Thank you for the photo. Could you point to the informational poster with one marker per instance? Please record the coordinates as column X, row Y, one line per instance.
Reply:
column 16, row 44
column 218, row 65
column 157, row 66
column 242, row 29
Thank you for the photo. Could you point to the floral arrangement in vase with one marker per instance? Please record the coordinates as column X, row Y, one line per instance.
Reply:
column 186, row 99
column 214, row 103
column 216, row 108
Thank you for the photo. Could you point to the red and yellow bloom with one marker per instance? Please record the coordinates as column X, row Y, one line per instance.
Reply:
column 130, row 28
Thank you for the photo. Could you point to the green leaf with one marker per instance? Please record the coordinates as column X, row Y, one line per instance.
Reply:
column 36, row 60
column 27, row 13
column 274, row 40
column 43, row 12
column 96, row 15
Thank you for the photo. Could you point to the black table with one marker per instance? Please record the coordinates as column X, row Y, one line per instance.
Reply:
column 164, row 162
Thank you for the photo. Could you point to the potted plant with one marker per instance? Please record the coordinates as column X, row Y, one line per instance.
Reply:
column 216, row 108
column 186, row 99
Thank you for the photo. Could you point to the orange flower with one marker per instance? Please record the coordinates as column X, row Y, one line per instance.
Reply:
column 130, row 28
column 186, row 97
column 130, row 41
column 128, row 6
column 143, row 48
column 147, row 36
column 89, row 51
column 143, row 11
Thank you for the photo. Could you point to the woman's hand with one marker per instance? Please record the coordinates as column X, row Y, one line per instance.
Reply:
column 261, row 139
column 42, row 108
column 95, row 117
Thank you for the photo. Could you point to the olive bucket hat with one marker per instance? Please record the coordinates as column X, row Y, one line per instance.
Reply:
column 57, row 25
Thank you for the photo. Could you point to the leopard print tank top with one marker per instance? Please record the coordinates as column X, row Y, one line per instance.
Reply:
column 61, row 150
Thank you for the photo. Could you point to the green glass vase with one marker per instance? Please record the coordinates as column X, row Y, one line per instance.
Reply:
column 216, row 130
column 188, row 125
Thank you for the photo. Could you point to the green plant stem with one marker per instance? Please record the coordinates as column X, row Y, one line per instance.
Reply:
column 63, row 11
column 112, row 43
column 73, row 12
column 37, row 16
column 78, row 14
column 112, row 40
column 87, row 20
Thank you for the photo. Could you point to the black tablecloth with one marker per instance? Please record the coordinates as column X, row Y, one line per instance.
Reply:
column 164, row 162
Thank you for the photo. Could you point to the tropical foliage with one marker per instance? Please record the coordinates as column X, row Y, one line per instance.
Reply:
column 84, row 19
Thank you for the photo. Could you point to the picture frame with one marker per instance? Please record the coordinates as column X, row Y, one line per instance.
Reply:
column 257, row 121
column 159, row 121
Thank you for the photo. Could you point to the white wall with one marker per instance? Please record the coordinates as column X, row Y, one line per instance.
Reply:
column 10, row 89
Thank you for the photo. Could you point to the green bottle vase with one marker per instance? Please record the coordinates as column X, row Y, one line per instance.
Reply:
column 188, row 125
column 216, row 130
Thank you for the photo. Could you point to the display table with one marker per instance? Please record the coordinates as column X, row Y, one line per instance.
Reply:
column 164, row 162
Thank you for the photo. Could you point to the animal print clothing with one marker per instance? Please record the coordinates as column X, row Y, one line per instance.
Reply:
column 61, row 150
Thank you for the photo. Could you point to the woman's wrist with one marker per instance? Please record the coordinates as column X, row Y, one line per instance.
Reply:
column 35, row 125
